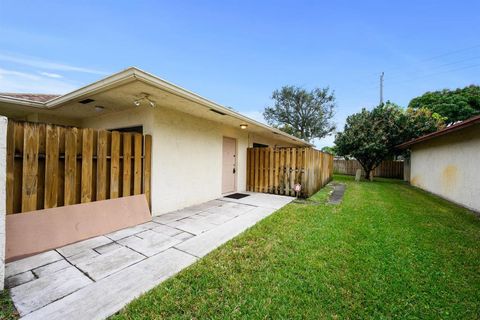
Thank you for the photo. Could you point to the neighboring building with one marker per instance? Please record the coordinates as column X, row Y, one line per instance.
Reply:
column 199, row 147
column 447, row 163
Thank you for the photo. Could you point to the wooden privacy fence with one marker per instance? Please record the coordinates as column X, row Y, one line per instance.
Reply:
column 51, row 166
column 387, row 169
column 278, row 170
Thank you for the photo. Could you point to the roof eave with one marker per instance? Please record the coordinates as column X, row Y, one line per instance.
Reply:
column 132, row 74
column 23, row 102
column 456, row 127
column 116, row 79
column 184, row 93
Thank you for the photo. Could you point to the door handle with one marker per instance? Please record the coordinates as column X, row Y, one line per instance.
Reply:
column 233, row 170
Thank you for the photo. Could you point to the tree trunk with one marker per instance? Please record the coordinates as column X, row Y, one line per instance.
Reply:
column 367, row 174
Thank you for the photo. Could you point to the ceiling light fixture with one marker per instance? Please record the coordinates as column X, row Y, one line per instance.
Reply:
column 243, row 126
column 99, row 108
column 144, row 97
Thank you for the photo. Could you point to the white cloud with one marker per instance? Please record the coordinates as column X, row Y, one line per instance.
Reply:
column 51, row 75
column 16, row 81
column 12, row 73
column 47, row 65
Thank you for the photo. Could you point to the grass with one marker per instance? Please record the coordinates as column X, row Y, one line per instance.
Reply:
column 7, row 310
column 387, row 251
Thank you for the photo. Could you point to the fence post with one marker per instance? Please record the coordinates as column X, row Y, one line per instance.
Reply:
column 3, row 193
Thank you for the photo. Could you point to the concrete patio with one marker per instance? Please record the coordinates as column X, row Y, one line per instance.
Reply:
column 95, row 278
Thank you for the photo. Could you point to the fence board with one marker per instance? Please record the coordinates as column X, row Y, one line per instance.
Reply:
column 70, row 165
column 87, row 164
column 281, row 172
column 277, row 171
column 30, row 167
column 115, row 166
column 127, row 164
column 137, row 164
column 293, row 169
column 262, row 170
column 387, row 169
column 256, row 169
column 102, row 165
column 147, row 168
column 52, row 151
column 270, row 172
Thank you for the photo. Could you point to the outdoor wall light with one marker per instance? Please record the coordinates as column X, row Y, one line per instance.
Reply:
column 243, row 126
column 144, row 97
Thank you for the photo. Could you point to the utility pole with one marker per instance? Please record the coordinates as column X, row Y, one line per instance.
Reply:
column 381, row 87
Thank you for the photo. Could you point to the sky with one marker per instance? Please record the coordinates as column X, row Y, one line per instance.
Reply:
column 237, row 53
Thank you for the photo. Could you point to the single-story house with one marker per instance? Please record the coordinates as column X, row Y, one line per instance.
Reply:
column 199, row 148
column 117, row 151
column 447, row 163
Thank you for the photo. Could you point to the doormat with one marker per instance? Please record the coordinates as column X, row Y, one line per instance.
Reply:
column 237, row 195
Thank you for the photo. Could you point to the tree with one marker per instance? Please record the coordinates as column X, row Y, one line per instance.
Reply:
column 371, row 136
column 455, row 105
column 306, row 115
column 331, row 150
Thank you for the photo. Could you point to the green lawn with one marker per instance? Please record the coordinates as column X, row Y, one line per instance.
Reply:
column 388, row 251
column 7, row 310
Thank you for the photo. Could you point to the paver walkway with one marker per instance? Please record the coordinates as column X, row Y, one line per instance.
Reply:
column 95, row 278
column 337, row 194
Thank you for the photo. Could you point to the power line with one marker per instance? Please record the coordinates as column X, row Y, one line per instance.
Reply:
column 437, row 73
column 397, row 75
column 448, row 53
column 428, row 75
column 452, row 52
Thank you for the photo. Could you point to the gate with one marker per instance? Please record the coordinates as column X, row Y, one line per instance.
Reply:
column 278, row 170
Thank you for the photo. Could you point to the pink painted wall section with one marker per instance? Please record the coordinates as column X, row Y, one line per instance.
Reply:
column 38, row 231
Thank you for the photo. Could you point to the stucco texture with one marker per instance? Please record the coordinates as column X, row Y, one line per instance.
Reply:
column 186, row 153
column 3, row 173
column 449, row 166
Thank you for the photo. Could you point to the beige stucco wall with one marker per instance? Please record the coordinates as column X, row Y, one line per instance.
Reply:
column 186, row 154
column 449, row 166
column 3, row 201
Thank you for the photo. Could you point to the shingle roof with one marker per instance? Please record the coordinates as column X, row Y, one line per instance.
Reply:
column 37, row 97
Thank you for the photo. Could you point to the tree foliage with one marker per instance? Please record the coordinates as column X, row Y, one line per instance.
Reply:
column 455, row 105
column 371, row 136
column 331, row 150
column 304, row 114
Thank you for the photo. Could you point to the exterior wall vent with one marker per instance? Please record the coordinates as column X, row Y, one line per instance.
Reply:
column 85, row 101
column 219, row 112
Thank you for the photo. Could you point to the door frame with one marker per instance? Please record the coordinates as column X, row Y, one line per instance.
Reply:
column 236, row 165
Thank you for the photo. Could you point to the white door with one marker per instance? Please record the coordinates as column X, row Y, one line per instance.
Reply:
column 229, row 164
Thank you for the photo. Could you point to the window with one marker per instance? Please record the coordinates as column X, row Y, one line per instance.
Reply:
column 260, row 145
column 137, row 129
